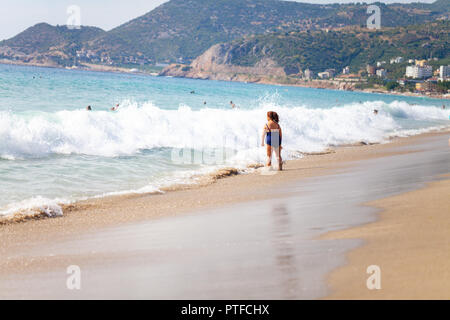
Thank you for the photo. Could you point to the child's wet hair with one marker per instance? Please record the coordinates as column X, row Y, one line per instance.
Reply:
column 273, row 116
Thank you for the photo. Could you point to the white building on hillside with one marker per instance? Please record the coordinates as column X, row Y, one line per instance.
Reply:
column 324, row 75
column 444, row 73
column 418, row 72
column 381, row 73
column 308, row 74
column 397, row 60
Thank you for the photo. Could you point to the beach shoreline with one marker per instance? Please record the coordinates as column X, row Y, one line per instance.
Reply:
column 86, row 67
column 333, row 85
column 24, row 243
column 199, row 181
column 319, row 84
column 39, row 249
column 176, row 70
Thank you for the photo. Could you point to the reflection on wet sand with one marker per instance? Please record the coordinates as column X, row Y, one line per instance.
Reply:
column 285, row 254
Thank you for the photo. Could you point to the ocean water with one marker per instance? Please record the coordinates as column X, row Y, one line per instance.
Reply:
column 53, row 151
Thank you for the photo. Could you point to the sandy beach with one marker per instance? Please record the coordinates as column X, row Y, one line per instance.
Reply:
column 250, row 151
column 254, row 235
column 410, row 244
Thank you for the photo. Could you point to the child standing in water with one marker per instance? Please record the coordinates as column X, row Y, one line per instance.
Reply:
column 272, row 136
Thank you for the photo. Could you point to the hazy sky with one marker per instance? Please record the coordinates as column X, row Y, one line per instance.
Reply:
column 17, row 15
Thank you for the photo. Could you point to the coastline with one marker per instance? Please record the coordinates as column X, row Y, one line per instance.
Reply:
column 333, row 157
column 86, row 67
column 224, row 74
column 337, row 85
column 134, row 140
column 24, row 243
column 316, row 84
column 409, row 242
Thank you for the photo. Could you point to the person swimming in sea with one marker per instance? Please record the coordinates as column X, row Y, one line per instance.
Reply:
column 375, row 112
column 115, row 108
column 272, row 137
column 233, row 106
column 88, row 108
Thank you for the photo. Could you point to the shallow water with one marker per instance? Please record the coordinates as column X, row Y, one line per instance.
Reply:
column 53, row 151
column 254, row 250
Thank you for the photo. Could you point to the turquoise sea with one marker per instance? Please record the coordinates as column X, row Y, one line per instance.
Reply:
column 53, row 151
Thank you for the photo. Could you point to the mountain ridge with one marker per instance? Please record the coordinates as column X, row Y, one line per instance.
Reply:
column 189, row 27
column 181, row 30
column 47, row 44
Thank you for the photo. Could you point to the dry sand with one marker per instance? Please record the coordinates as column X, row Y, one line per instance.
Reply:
column 410, row 243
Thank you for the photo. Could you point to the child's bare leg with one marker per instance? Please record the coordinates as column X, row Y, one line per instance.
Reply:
column 280, row 161
column 269, row 156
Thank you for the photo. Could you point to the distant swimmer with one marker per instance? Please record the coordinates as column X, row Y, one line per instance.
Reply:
column 204, row 102
column 375, row 112
column 115, row 108
column 89, row 108
column 233, row 106
column 192, row 92
column 443, row 107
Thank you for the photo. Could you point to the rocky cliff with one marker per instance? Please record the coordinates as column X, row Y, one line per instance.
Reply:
column 215, row 64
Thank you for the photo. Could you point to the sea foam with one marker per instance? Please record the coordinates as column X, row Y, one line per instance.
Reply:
column 135, row 128
column 139, row 127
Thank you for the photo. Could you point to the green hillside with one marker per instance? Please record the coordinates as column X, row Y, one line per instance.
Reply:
column 180, row 30
column 42, row 37
column 56, row 43
column 436, row 7
column 354, row 47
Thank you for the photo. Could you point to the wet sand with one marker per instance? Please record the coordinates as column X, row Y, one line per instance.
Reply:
column 246, row 236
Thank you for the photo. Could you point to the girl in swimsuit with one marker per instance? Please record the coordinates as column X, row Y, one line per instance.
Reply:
column 272, row 136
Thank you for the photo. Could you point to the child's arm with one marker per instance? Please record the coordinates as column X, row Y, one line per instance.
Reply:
column 263, row 137
column 281, row 138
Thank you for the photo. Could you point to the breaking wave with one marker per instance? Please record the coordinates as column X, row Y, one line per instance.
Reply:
column 141, row 127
